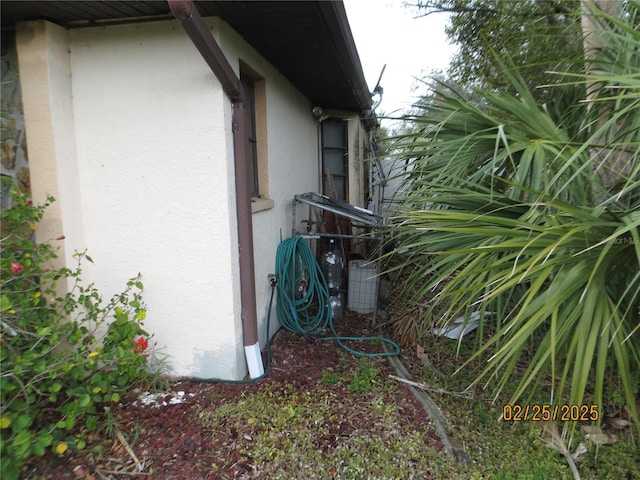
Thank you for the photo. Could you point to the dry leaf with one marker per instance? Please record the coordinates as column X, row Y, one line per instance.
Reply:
column 554, row 440
column 590, row 429
column 117, row 448
column 579, row 451
column 601, row 438
column 424, row 358
column 79, row 471
column 421, row 354
column 617, row 423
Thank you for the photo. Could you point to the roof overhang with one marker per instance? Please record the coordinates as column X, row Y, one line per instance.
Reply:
column 309, row 42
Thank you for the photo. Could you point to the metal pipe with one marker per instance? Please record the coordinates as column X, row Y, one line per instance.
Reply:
column 193, row 24
column 189, row 17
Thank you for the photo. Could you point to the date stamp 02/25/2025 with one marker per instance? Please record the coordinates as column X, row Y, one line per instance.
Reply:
column 543, row 413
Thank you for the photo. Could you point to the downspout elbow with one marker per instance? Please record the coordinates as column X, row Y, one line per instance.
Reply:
column 181, row 9
column 187, row 14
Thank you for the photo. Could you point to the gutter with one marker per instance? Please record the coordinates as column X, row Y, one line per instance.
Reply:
column 337, row 23
column 186, row 13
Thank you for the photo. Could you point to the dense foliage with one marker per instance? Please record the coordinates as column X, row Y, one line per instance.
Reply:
column 530, row 221
column 64, row 355
column 537, row 37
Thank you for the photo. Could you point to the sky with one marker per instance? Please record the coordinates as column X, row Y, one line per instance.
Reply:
column 386, row 32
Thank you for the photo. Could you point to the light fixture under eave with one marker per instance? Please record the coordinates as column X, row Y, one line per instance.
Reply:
column 319, row 114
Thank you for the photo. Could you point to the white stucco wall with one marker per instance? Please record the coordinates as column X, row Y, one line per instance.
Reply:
column 153, row 143
column 151, row 179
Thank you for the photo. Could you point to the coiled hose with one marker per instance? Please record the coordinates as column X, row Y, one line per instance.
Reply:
column 303, row 298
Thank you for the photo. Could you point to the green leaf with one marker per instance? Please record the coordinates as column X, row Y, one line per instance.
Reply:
column 45, row 438
column 69, row 423
column 5, row 303
column 40, row 365
column 22, row 438
column 92, row 422
column 21, row 422
column 84, row 401
column 55, row 387
column 38, row 449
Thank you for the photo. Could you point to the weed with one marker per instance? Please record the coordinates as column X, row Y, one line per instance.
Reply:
column 314, row 433
column 510, row 450
column 365, row 377
column 330, row 378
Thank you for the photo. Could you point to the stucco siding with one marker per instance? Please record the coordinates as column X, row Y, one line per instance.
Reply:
column 148, row 182
column 151, row 125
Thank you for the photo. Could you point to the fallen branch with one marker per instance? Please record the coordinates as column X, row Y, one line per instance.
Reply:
column 129, row 450
column 426, row 387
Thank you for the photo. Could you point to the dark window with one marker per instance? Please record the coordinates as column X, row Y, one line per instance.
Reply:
column 335, row 159
column 250, row 128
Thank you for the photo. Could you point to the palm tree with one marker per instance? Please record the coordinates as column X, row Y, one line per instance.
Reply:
column 507, row 213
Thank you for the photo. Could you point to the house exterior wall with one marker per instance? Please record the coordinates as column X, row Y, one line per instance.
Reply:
column 155, row 152
column 131, row 131
column 292, row 144
column 45, row 78
column 358, row 142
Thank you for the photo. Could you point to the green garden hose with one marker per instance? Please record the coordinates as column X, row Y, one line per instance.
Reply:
column 303, row 298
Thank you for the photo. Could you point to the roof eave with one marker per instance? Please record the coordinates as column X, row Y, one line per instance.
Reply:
column 338, row 25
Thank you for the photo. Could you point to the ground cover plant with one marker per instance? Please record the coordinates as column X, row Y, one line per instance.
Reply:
column 527, row 220
column 500, row 449
column 64, row 355
column 322, row 413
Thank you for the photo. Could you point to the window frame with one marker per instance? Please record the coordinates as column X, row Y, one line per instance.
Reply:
column 256, row 110
column 343, row 150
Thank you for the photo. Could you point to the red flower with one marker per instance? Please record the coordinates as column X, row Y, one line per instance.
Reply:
column 29, row 203
column 140, row 345
column 16, row 268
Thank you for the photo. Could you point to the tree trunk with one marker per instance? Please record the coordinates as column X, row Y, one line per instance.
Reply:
column 614, row 165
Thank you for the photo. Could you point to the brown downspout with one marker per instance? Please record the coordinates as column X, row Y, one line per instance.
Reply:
column 188, row 16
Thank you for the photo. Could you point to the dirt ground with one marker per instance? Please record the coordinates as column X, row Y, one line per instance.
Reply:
column 163, row 436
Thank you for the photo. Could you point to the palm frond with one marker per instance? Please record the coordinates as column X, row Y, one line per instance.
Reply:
column 510, row 210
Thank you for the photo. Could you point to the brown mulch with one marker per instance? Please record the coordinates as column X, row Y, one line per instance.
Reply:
column 169, row 439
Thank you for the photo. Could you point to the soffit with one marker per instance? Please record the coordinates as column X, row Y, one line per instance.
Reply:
column 309, row 42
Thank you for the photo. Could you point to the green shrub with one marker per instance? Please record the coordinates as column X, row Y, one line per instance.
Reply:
column 529, row 223
column 63, row 356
